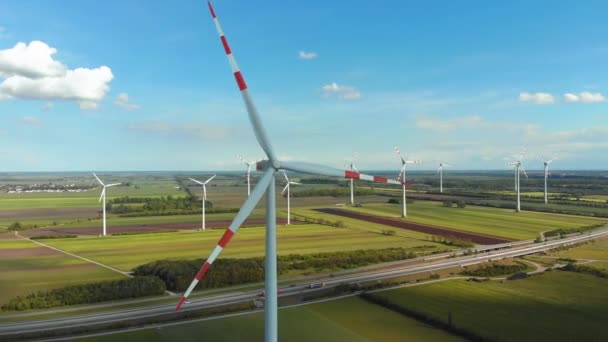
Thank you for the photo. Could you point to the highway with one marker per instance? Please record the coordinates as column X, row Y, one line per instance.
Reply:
column 379, row 272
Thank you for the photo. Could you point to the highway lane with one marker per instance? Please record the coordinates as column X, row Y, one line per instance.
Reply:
column 239, row 297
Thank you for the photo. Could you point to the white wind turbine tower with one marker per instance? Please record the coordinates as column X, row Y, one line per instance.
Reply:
column 353, row 168
column 519, row 168
column 103, row 197
column 287, row 189
column 265, row 186
column 401, row 178
column 440, row 172
column 204, row 184
column 249, row 164
column 546, row 164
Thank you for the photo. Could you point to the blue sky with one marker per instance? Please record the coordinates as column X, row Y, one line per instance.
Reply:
column 141, row 85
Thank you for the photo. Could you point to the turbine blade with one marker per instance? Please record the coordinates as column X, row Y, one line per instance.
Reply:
column 296, row 183
column 103, row 192
column 315, row 169
column 285, row 175
column 99, row 180
column 285, row 189
column 240, row 217
column 195, row 181
column 209, row 180
column 254, row 117
column 114, row 184
column 401, row 176
column 399, row 154
column 204, row 192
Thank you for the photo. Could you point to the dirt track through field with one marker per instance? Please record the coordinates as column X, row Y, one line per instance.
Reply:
column 422, row 228
column 156, row 227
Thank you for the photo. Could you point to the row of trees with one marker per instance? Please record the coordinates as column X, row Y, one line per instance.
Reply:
column 88, row 293
column 177, row 274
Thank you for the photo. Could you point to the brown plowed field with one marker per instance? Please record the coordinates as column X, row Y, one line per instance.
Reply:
column 422, row 228
column 159, row 227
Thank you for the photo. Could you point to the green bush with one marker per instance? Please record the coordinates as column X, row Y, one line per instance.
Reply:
column 495, row 270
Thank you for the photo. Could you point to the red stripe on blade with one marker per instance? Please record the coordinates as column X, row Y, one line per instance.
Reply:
column 181, row 302
column 211, row 9
column 351, row 174
column 380, row 179
column 226, row 46
column 203, row 270
column 225, row 238
column 240, row 80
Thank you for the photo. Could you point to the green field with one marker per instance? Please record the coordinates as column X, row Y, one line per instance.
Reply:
column 127, row 251
column 26, row 267
column 483, row 220
column 349, row 319
column 554, row 306
column 594, row 250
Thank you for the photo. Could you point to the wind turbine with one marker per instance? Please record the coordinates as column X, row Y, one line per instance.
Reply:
column 401, row 177
column 519, row 168
column 287, row 189
column 103, row 197
column 266, row 185
column 440, row 172
column 352, row 167
column 546, row 163
column 248, row 163
column 204, row 184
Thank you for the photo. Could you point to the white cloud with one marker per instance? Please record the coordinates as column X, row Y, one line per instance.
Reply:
column 307, row 55
column 30, row 120
column 584, row 97
column 31, row 73
column 341, row 91
column 31, row 60
column 538, row 98
column 122, row 100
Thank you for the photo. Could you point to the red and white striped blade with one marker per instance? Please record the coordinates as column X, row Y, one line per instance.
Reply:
column 240, row 217
column 322, row 170
column 254, row 117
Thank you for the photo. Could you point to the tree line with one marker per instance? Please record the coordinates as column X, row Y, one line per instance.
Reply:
column 177, row 274
column 88, row 293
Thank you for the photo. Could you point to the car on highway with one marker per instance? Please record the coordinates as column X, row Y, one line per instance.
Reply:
column 316, row 285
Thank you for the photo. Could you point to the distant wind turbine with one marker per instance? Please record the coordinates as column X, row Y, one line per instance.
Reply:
column 351, row 166
column 249, row 164
column 546, row 164
column 401, row 177
column 287, row 189
column 518, row 166
column 103, row 197
column 204, row 184
column 440, row 171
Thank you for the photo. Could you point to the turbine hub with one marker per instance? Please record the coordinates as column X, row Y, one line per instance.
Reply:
column 275, row 164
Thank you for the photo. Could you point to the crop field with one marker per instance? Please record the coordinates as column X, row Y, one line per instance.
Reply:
column 594, row 250
column 348, row 319
column 482, row 220
column 27, row 267
column 127, row 251
column 554, row 306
